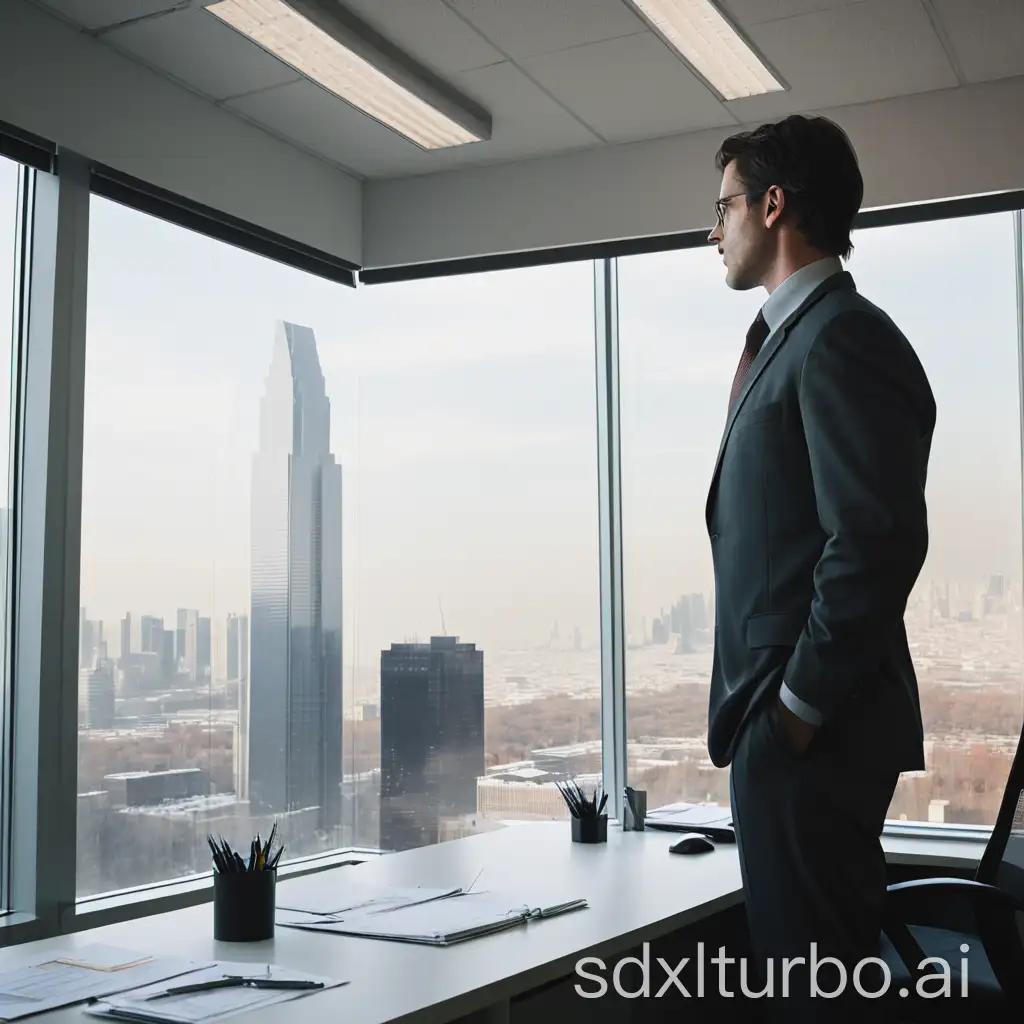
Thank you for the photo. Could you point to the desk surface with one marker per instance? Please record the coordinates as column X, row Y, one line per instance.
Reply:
column 636, row 891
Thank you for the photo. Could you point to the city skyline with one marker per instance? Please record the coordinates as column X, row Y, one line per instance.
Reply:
column 463, row 411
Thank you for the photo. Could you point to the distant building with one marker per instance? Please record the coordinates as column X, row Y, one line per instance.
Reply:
column 431, row 738
column 204, row 649
column 150, row 789
column 126, row 640
column 151, row 631
column 96, row 696
column 293, row 706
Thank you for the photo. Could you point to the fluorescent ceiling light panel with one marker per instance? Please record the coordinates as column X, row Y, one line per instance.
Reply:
column 331, row 47
column 707, row 41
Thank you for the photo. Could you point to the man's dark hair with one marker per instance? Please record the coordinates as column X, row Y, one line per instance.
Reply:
column 812, row 161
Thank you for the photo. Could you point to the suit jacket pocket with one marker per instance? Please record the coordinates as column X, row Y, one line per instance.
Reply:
column 750, row 416
column 774, row 629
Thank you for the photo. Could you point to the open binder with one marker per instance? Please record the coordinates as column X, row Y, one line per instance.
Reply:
column 439, row 922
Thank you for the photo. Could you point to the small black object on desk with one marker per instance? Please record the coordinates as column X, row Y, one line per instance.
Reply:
column 692, row 843
column 244, row 893
column 589, row 822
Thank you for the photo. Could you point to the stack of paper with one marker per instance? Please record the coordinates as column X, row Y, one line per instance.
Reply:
column 709, row 819
column 365, row 898
column 155, row 1005
column 437, row 921
column 88, row 973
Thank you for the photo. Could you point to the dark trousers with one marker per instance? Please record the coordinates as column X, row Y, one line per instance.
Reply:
column 813, row 869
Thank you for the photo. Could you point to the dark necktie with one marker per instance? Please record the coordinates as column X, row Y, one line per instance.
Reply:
column 756, row 336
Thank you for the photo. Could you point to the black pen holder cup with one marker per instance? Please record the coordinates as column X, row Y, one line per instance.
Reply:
column 243, row 905
column 590, row 830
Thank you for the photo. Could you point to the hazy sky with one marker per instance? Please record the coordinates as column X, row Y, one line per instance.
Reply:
column 949, row 286
column 463, row 416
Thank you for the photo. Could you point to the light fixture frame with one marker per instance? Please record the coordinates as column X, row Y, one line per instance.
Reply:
column 356, row 35
column 634, row 6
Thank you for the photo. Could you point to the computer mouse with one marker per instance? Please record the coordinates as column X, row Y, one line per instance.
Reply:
column 692, row 842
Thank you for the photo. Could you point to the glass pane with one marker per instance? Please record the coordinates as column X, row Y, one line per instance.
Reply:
column 313, row 516
column 681, row 332
column 9, row 269
column 210, row 655
column 474, row 487
column 964, row 620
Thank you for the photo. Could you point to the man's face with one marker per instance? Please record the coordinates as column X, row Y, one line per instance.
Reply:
column 740, row 234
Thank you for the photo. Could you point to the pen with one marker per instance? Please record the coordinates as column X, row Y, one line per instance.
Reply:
column 261, row 857
column 231, row 981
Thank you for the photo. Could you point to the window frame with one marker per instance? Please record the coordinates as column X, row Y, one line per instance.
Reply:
column 39, row 861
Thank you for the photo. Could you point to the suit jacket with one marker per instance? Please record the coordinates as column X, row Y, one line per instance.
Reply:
column 818, row 529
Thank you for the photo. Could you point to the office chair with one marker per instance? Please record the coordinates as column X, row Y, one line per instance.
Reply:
column 986, row 913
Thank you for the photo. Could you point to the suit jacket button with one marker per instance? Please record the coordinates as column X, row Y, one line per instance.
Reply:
column 714, row 536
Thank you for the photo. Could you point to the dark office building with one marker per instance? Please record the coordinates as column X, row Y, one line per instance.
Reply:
column 293, row 739
column 431, row 738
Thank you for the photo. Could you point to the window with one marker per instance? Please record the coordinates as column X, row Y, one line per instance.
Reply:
column 314, row 517
column 210, row 647
column 10, row 173
column 472, row 481
column 680, row 333
column 950, row 286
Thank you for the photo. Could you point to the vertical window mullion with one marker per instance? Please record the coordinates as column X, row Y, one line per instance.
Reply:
column 48, row 502
column 613, row 682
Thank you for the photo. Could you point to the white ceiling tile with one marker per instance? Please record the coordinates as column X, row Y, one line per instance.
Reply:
column 524, row 28
column 755, row 12
column 93, row 14
column 427, row 30
column 201, row 51
column 987, row 36
column 526, row 123
column 324, row 124
column 658, row 94
column 854, row 54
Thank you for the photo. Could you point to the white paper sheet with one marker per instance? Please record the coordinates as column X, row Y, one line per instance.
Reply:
column 211, row 1006
column 692, row 814
column 367, row 899
column 62, row 980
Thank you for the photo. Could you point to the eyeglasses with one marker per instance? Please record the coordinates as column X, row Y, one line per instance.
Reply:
column 720, row 205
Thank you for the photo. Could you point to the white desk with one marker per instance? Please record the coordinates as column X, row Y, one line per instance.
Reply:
column 636, row 890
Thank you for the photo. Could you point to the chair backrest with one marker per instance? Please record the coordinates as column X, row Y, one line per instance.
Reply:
column 1002, row 863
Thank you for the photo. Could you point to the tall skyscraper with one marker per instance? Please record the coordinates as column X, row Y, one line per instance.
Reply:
column 431, row 738
column 293, row 740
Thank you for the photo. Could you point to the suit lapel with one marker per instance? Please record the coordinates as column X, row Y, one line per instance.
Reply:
column 761, row 361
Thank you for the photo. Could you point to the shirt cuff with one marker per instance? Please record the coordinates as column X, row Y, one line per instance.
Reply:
column 799, row 707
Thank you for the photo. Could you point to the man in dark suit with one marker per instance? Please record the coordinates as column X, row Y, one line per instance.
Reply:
column 818, row 529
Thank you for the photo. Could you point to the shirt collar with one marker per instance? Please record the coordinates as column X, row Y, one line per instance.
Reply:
column 789, row 296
